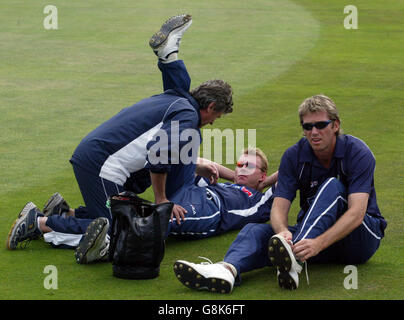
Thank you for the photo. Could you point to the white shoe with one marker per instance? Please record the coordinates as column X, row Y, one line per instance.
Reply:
column 281, row 256
column 214, row 277
column 95, row 244
column 167, row 40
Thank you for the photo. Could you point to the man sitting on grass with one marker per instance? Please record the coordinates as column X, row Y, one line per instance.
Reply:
column 339, row 220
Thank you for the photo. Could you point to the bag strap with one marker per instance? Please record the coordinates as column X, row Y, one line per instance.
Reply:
column 157, row 238
column 113, row 238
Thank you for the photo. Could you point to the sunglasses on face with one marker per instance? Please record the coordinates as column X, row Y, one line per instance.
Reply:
column 318, row 125
column 249, row 165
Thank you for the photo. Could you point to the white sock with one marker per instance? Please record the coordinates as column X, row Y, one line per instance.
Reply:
column 37, row 223
column 231, row 267
column 171, row 58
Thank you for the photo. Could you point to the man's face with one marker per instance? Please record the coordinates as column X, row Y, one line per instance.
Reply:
column 248, row 171
column 321, row 140
column 209, row 115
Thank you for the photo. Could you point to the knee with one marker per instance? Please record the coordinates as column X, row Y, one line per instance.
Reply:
column 256, row 230
column 334, row 185
column 251, row 227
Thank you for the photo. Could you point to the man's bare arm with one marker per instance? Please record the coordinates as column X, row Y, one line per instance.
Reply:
column 279, row 217
column 159, row 188
column 206, row 167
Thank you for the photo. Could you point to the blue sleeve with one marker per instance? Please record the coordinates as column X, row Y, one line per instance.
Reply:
column 175, row 75
column 360, row 175
column 177, row 141
column 287, row 177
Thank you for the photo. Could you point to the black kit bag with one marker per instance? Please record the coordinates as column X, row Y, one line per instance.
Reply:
column 138, row 233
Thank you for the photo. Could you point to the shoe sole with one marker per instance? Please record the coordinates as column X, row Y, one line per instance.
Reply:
column 191, row 278
column 53, row 200
column 27, row 208
column 169, row 26
column 10, row 235
column 83, row 251
column 280, row 258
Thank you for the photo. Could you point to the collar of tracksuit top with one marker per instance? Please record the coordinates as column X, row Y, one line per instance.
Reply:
column 187, row 95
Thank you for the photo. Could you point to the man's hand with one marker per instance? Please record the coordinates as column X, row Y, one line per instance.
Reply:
column 351, row 219
column 179, row 213
column 287, row 235
column 306, row 248
column 208, row 170
column 268, row 181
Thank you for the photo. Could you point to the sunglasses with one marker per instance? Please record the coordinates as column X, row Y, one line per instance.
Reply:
column 318, row 125
column 249, row 165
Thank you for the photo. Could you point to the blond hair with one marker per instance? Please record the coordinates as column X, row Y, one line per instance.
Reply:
column 319, row 103
column 259, row 153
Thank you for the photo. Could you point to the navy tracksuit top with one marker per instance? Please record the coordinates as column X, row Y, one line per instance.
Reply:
column 120, row 147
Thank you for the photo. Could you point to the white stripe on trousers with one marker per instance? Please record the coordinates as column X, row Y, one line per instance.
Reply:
column 106, row 195
column 312, row 206
column 322, row 214
column 326, row 210
column 368, row 229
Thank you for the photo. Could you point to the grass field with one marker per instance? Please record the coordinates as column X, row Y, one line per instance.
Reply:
column 57, row 85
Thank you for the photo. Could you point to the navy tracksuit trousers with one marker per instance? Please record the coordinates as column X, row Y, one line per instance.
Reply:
column 249, row 251
column 95, row 192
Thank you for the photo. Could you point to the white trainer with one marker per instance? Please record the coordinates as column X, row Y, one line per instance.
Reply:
column 281, row 256
column 214, row 277
column 167, row 40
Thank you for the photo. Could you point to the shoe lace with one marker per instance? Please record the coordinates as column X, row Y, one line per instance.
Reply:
column 306, row 271
column 105, row 250
column 205, row 262
column 24, row 243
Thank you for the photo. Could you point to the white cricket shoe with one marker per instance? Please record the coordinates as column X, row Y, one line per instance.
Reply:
column 167, row 40
column 214, row 277
column 281, row 256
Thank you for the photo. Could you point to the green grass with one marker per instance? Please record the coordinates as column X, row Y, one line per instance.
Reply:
column 56, row 86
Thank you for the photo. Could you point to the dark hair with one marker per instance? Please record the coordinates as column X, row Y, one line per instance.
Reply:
column 217, row 91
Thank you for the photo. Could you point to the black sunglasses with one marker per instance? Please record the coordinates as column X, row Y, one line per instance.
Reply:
column 319, row 125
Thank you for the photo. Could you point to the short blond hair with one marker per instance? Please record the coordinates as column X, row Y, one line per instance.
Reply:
column 259, row 153
column 319, row 103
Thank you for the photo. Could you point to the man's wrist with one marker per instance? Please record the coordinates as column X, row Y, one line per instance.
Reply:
column 159, row 200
